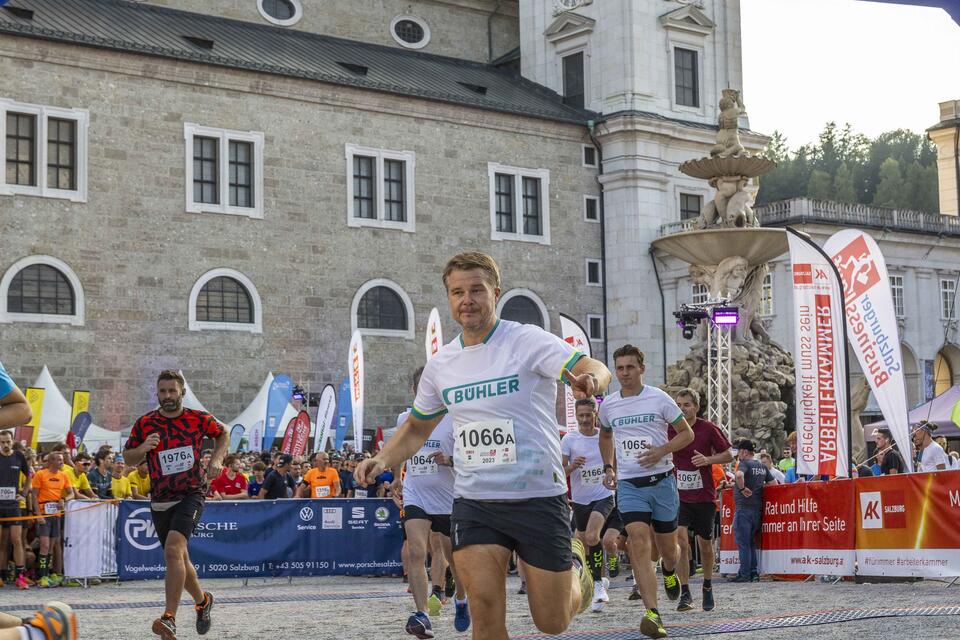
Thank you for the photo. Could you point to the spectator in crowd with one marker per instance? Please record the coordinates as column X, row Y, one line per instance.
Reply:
column 140, row 481
column 256, row 481
column 767, row 461
column 751, row 477
column 930, row 455
column 278, row 484
column 889, row 460
column 14, row 472
column 322, row 481
column 120, row 487
column 346, row 476
column 231, row 484
column 78, row 473
column 955, row 460
column 788, row 460
column 296, row 472
column 51, row 486
column 101, row 476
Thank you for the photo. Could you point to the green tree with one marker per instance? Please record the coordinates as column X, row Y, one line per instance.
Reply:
column 819, row 186
column 890, row 187
column 920, row 188
column 843, row 190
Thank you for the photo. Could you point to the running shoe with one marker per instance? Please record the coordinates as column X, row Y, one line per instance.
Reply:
column 606, row 585
column 55, row 579
column 600, row 597
column 22, row 582
column 461, row 620
column 56, row 620
column 586, row 580
column 671, row 585
column 44, row 582
column 418, row 625
column 652, row 626
column 686, row 602
column 449, row 586
column 635, row 593
column 523, row 588
column 613, row 565
column 166, row 627
column 708, row 603
column 434, row 605
column 71, row 582
column 203, row 613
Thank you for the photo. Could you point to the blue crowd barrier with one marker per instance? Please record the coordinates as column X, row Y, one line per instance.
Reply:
column 270, row 538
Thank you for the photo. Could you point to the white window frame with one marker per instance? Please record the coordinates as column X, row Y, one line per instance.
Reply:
column 592, row 338
column 583, row 156
column 493, row 168
column 700, row 51
column 43, row 113
column 695, row 292
column 411, row 45
column 595, row 199
column 76, row 320
column 767, row 301
column 289, row 22
column 255, row 327
column 224, row 136
column 901, row 312
column 945, row 290
column 407, row 334
column 513, row 293
column 409, row 158
column 599, row 264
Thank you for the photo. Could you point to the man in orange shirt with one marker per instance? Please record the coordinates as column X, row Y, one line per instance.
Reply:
column 51, row 486
column 322, row 481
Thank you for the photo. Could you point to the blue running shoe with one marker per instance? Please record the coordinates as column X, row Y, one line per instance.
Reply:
column 418, row 625
column 461, row 621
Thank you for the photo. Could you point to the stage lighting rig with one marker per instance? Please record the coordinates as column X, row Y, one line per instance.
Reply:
column 689, row 317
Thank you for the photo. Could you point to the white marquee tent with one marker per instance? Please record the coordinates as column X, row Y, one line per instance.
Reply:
column 256, row 411
column 55, row 418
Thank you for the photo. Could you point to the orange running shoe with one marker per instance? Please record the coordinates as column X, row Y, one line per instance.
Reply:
column 56, row 620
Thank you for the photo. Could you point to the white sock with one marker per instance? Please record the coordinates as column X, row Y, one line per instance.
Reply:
column 459, row 601
column 31, row 633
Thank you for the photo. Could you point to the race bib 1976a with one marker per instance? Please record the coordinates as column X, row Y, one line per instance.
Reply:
column 486, row 443
column 176, row 460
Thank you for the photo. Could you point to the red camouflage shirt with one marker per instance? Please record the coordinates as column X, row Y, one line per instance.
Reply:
column 172, row 477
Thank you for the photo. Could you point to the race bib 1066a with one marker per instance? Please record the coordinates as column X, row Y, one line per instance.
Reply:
column 486, row 443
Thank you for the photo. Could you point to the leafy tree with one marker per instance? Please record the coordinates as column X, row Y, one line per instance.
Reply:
column 819, row 186
column 843, row 190
column 890, row 187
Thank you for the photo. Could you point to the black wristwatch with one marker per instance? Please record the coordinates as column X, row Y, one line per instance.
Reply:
column 607, row 466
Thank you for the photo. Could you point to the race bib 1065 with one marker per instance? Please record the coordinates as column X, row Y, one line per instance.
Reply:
column 486, row 443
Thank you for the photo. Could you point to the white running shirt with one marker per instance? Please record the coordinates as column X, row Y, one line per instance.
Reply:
column 427, row 484
column 639, row 423
column 933, row 455
column 586, row 483
column 501, row 395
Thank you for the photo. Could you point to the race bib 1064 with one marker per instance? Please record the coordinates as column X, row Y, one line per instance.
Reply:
column 591, row 475
column 8, row 493
column 689, row 480
column 176, row 460
column 486, row 443
column 423, row 465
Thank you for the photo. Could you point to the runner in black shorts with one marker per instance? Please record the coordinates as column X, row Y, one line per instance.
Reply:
column 170, row 438
column 12, row 491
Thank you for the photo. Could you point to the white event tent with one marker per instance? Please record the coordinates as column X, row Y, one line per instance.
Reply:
column 55, row 418
column 256, row 411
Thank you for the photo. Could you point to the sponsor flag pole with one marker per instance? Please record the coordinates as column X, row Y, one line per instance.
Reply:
column 434, row 339
column 355, row 366
column 808, row 261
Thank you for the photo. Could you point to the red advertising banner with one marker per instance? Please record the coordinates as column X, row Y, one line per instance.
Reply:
column 807, row 529
column 907, row 525
column 729, row 556
column 301, row 434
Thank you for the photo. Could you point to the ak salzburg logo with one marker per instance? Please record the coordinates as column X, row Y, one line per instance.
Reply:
column 883, row 510
column 857, row 268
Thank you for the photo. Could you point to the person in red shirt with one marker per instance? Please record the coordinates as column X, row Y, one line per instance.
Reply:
column 231, row 484
column 170, row 438
column 698, row 494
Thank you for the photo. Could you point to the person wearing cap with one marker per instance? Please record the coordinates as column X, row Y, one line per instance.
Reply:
column 930, row 455
column 279, row 483
column 751, row 477
column 890, row 461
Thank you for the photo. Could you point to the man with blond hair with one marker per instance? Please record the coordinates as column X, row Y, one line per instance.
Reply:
column 497, row 381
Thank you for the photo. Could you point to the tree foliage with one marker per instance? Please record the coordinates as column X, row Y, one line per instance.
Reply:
column 895, row 169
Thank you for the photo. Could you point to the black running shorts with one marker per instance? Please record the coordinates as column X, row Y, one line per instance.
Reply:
column 615, row 522
column 181, row 517
column 581, row 512
column 698, row 517
column 538, row 529
column 438, row 523
column 10, row 511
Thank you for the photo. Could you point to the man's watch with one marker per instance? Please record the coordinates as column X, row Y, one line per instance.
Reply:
column 607, row 466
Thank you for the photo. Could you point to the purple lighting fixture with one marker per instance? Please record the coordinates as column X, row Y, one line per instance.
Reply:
column 725, row 316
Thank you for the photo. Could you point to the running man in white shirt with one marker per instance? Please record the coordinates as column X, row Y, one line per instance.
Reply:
column 931, row 455
column 592, row 502
column 498, row 382
column 634, row 421
column 426, row 488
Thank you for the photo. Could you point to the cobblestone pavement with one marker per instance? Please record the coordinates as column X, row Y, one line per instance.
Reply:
column 347, row 607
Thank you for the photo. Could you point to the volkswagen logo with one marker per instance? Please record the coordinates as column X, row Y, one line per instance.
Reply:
column 139, row 530
column 306, row 514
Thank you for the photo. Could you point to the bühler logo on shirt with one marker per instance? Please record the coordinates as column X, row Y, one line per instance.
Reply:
column 637, row 419
column 483, row 389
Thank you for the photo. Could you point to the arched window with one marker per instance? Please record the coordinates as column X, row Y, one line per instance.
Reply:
column 225, row 299
column 525, row 307
column 41, row 289
column 382, row 308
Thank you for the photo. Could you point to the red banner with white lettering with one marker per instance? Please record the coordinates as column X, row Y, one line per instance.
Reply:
column 729, row 556
column 807, row 529
column 907, row 525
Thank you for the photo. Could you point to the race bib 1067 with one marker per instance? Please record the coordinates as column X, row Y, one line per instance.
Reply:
column 176, row 460
column 486, row 443
column 689, row 480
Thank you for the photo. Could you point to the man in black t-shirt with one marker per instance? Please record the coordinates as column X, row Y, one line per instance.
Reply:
column 751, row 477
column 891, row 462
column 278, row 483
column 12, row 490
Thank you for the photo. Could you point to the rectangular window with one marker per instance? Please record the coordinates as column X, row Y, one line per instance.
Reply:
column 61, row 154
column 948, row 299
column 699, row 294
column 766, row 296
column 573, row 90
column 21, row 146
column 205, row 169
column 364, row 189
column 589, row 156
column 224, row 171
column 690, row 206
column 594, row 327
column 686, row 77
column 504, row 197
column 519, row 203
column 380, row 193
column 594, row 272
column 241, row 174
column 591, row 209
column 896, row 290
